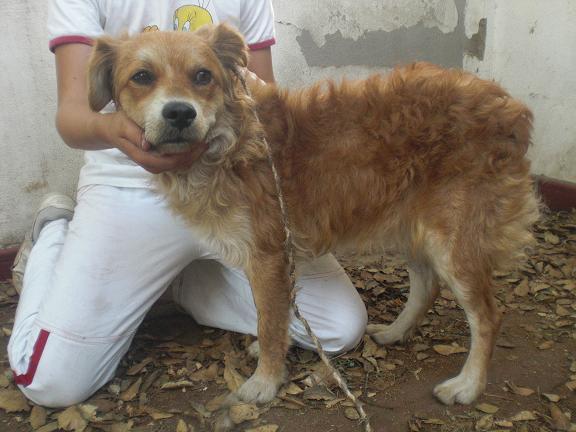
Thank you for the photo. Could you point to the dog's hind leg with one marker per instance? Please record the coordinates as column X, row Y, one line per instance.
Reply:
column 473, row 290
column 423, row 291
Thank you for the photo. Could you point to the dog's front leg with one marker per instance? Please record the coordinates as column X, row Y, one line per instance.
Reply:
column 269, row 278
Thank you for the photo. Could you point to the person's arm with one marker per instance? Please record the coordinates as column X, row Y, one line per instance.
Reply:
column 81, row 128
column 260, row 62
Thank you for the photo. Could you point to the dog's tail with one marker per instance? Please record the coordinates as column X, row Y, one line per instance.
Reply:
column 500, row 115
column 516, row 119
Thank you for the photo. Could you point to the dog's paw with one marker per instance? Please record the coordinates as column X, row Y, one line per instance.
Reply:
column 260, row 388
column 254, row 349
column 461, row 389
column 387, row 334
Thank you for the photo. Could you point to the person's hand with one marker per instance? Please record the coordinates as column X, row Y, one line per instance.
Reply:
column 124, row 134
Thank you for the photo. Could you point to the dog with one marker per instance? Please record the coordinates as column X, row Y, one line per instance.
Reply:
column 427, row 161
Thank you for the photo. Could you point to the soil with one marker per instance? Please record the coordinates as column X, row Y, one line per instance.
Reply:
column 532, row 380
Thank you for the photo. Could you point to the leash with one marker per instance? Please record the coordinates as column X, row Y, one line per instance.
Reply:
column 289, row 250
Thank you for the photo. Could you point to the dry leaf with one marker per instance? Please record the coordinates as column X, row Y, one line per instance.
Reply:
column 181, row 426
column 522, row 289
column 551, row 397
column 137, row 368
column 156, row 414
column 206, row 374
column 551, row 238
column 103, row 405
column 504, row 343
column 420, row 347
column 351, row 414
column 265, row 428
column 216, row 403
column 521, row 391
column 433, row 421
column 504, row 423
column 122, row 427
column 4, row 381
column 524, row 416
column 170, row 385
column 291, row 403
column 449, row 349
column 37, row 417
column 372, row 350
column 200, row 409
column 13, row 401
column 50, row 427
column 114, row 389
column 322, row 374
column 559, row 419
column 487, row 408
column 318, row 392
column 293, row 389
column 131, row 392
column 243, row 412
column 446, row 294
column 333, row 402
column 546, row 345
column 232, row 377
column 486, row 422
column 72, row 419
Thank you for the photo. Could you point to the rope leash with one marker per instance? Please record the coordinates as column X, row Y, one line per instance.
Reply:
column 289, row 250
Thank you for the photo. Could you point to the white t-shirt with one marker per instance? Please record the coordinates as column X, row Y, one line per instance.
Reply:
column 81, row 21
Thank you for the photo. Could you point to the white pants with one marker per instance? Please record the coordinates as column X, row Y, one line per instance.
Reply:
column 89, row 283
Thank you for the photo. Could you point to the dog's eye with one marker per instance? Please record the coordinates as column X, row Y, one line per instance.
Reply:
column 143, row 77
column 202, row 77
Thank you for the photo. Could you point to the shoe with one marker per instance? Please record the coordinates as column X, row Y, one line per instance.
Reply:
column 54, row 206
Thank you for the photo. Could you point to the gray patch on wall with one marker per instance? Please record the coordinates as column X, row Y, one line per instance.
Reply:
column 403, row 45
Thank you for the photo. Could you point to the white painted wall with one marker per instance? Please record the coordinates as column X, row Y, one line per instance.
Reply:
column 532, row 52
column 529, row 49
column 33, row 160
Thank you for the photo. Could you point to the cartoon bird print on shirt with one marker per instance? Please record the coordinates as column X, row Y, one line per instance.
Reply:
column 192, row 17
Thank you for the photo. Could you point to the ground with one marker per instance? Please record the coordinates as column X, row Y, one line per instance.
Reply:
column 175, row 371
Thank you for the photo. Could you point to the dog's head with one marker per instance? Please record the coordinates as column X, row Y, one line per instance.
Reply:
column 173, row 84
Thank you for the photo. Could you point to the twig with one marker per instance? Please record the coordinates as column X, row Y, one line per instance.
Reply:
column 289, row 250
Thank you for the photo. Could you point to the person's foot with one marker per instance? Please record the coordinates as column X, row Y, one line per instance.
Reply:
column 53, row 206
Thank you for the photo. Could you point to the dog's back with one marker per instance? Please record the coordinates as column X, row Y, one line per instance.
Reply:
column 391, row 160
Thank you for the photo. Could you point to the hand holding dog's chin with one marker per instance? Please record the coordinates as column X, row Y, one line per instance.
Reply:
column 128, row 137
column 157, row 163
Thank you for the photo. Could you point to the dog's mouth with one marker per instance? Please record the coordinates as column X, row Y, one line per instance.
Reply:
column 175, row 144
column 172, row 146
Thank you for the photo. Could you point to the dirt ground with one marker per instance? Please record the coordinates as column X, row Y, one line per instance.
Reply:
column 175, row 371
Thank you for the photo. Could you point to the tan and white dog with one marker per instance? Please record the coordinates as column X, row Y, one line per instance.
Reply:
column 428, row 161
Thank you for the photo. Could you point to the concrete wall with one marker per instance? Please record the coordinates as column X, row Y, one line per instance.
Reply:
column 33, row 160
column 524, row 44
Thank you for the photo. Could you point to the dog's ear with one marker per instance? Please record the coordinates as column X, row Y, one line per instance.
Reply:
column 100, row 72
column 227, row 43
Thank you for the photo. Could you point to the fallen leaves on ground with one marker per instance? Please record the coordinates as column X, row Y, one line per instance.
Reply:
column 176, row 380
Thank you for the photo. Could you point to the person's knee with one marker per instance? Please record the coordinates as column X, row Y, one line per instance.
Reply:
column 346, row 328
column 61, row 372
column 53, row 392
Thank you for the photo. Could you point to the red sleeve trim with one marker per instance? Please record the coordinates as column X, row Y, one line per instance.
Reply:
column 26, row 379
column 62, row 40
column 262, row 45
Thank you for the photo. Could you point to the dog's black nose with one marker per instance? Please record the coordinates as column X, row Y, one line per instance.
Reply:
column 179, row 114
